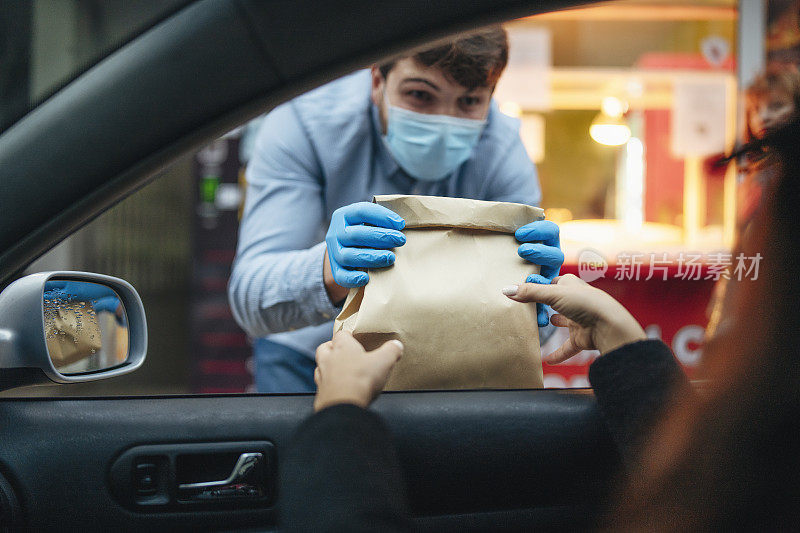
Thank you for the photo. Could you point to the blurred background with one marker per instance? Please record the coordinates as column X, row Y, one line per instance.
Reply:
column 624, row 107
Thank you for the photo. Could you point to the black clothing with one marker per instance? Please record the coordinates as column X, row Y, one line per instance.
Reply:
column 633, row 385
column 342, row 472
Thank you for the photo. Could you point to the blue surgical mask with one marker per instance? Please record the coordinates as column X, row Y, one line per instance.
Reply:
column 430, row 147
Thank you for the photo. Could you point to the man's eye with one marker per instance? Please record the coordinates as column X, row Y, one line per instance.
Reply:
column 470, row 101
column 422, row 96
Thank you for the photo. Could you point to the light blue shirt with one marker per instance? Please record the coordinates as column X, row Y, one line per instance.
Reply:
column 314, row 154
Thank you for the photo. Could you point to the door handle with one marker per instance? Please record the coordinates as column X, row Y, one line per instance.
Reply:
column 244, row 465
column 196, row 475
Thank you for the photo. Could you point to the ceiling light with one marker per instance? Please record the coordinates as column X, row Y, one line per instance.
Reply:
column 609, row 126
column 613, row 107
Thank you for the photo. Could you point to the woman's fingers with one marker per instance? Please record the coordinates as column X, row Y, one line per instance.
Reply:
column 386, row 356
column 323, row 350
column 344, row 339
column 390, row 350
column 534, row 292
column 542, row 315
column 569, row 280
column 344, row 346
column 560, row 321
column 563, row 352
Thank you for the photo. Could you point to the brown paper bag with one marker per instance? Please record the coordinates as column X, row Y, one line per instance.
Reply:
column 72, row 332
column 442, row 297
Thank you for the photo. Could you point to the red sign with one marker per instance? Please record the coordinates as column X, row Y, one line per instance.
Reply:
column 673, row 310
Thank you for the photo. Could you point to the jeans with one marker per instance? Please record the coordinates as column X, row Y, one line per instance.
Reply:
column 282, row 369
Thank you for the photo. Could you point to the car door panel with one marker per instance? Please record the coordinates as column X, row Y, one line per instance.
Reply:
column 470, row 459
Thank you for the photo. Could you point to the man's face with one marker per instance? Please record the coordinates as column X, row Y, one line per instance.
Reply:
column 415, row 87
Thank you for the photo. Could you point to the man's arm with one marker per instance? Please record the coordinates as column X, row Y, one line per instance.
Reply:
column 277, row 279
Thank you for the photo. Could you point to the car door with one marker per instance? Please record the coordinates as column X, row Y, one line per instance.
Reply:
column 472, row 460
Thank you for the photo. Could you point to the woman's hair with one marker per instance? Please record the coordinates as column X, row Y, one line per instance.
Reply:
column 731, row 459
column 777, row 77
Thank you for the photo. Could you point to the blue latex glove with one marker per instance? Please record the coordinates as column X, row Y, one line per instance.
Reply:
column 352, row 244
column 101, row 298
column 541, row 246
column 112, row 305
column 78, row 290
column 108, row 303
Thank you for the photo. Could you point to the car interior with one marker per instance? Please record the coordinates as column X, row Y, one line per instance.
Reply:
column 478, row 460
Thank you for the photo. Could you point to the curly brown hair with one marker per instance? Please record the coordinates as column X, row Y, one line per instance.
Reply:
column 475, row 59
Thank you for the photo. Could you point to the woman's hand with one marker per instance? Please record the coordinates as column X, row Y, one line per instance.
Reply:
column 596, row 321
column 346, row 373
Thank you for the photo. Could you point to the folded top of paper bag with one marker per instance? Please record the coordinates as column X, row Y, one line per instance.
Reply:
column 438, row 211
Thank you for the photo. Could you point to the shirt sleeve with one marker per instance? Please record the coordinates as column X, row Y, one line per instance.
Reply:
column 515, row 178
column 634, row 385
column 276, row 284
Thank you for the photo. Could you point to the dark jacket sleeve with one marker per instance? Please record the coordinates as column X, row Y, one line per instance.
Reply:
column 341, row 473
column 634, row 385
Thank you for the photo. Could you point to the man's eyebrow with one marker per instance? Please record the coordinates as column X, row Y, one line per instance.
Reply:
column 421, row 80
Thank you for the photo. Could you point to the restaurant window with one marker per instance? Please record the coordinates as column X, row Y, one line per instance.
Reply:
column 625, row 107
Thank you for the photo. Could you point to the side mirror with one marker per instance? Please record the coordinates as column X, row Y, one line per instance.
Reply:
column 69, row 327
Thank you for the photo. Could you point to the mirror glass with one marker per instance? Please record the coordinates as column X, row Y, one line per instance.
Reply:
column 86, row 327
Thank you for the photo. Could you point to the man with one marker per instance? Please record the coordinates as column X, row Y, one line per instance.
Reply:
column 423, row 124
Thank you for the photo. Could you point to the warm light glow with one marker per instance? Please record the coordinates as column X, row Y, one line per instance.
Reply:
column 633, row 212
column 606, row 232
column 531, row 131
column 558, row 215
column 613, row 107
column 512, row 109
column 629, row 11
column 610, row 134
column 635, row 88
column 609, row 126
